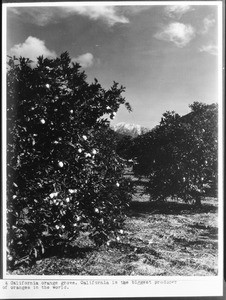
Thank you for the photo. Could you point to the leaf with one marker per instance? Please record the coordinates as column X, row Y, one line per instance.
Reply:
column 45, row 233
column 35, row 253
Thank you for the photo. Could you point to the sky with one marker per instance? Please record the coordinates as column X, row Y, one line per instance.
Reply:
column 166, row 56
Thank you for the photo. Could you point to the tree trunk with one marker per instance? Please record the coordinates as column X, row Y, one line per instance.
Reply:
column 198, row 201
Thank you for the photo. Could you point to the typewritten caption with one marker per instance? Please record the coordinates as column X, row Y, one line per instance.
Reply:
column 71, row 284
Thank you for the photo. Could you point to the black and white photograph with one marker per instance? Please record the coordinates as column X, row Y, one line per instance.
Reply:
column 112, row 117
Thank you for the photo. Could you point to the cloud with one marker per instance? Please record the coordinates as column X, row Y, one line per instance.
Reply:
column 85, row 60
column 108, row 14
column 32, row 48
column 178, row 33
column 211, row 49
column 208, row 22
column 42, row 16
column 177, row 11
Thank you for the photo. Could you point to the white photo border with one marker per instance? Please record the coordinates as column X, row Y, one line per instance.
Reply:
column 114, row 286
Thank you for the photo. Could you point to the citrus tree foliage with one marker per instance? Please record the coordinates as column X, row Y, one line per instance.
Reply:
column 63, row 174
column 124, row 146
column 180, row 155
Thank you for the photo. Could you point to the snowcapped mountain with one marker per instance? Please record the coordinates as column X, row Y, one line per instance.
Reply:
column 129, row 129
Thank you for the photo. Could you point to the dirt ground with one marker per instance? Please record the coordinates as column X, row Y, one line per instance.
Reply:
column 171, row 239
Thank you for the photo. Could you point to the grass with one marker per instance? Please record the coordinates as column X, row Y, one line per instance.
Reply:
column 173, row 238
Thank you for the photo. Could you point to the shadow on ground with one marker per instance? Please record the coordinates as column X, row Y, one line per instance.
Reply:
column 68, row 251
column 138, row 208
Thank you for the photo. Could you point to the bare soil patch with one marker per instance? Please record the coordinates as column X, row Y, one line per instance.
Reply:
column 172, row 238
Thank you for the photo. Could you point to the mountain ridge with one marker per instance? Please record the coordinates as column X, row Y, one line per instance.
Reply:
column 129, row 129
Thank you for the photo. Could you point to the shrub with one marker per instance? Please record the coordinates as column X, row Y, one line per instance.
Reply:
column 63, row 174
column 180, row 155
column 124, row 146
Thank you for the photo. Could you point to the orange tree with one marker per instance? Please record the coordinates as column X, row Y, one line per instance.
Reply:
column 63, row 174
column 180, row 155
